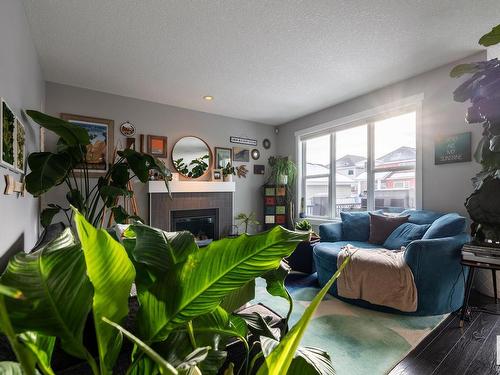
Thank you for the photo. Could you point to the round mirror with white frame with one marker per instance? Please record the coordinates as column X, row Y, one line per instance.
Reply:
column 191, row 157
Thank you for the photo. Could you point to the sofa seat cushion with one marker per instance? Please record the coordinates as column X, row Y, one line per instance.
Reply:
column 404, row 234
column 448, row 225
column 325, row 253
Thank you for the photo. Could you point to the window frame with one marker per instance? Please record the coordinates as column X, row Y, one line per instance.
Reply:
column 368, row 117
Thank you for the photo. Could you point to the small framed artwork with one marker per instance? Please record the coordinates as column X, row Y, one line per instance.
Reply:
column 8, row 132
column 130, row 143
column 453, row 149
column 100, row 152
column 241, row 154
column 157, row 146
column 223, row 156
column 259, row 169
column 20, row 146
column 127, row 129
column 216, row 175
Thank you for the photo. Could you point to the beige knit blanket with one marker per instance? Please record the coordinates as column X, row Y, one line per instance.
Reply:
column 378, row 276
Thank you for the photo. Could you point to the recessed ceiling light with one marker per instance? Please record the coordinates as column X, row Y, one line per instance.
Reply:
column 208, row 97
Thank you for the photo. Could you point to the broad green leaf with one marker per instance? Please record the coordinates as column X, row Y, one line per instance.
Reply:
column 58, row 293
column 234, row 300
column 47, row 215
column 161, row 250
column 307, row 360
column 47, row 170
column 139, row 163
column 121, row 216
column 259, row 326
column 275, row 285
column 462, row 69
column 491, row 38
column 111, row 273
column 165, row 367
column 120, row 175
column 279, row 360
column 220, row 322
column 23, row 355
column 198, row 285
column 189, row 365
column 12, row 368
column 42, row 347
column 70, row 133
column 75, row 198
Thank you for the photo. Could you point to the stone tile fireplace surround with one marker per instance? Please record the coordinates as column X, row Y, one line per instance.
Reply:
column 191, row 196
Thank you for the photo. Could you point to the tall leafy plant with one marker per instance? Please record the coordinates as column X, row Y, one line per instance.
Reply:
column 181, row 326
column 68, row 166
column 482, row 89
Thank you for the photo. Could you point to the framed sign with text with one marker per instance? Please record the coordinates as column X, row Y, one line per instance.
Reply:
column 453, row 149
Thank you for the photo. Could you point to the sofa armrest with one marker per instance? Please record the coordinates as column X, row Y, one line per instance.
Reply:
column 330, row 232
column 437, row 271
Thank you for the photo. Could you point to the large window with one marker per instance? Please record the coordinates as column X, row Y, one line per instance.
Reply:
column 366, row 165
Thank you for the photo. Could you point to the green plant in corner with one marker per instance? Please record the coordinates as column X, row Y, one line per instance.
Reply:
column 482, row 89
column 247, row 220
column 284, row 173
column 68, row 165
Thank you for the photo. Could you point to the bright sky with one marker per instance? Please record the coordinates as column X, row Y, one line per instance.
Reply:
column 390, row 134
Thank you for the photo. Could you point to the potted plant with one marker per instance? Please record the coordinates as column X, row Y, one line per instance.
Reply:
column 482, row 89
column 305, row 226
column 48, row 295
column 247, row 220
column 68, row 165
column 228, row 172
column 283, row 171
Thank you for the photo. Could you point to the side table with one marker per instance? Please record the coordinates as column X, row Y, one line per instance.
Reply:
column 473, row 265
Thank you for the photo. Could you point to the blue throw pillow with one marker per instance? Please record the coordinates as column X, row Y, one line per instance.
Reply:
column 404, row 234
column 446, row 226
column 356, row 225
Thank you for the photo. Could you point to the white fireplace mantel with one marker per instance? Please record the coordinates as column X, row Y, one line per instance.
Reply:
column 191, row 187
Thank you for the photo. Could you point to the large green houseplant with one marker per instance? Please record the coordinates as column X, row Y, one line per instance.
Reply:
column 181, row 326
column 482, row 89
column 68, row 165
column 283, row 174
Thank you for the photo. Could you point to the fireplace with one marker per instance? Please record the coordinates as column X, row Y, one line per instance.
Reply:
column 202, row 223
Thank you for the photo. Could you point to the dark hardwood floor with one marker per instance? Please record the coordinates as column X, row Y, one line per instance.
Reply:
column 453, row 350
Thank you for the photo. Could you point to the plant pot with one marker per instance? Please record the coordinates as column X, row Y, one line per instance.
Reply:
column 283, row 179
column 228, row 178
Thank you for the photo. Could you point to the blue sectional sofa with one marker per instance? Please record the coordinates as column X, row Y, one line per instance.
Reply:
column 434, row 259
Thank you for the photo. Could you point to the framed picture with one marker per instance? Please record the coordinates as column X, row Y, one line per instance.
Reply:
column 157, row 146
column 20, row 146
column 241, row 154
column 130, row 143
column 101, row 148
column 259, row 169
column 223, row 156
column 216, row 175
column 8, row 133
column 453, row 149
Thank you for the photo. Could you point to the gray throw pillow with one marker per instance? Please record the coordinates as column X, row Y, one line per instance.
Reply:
column 381, row 226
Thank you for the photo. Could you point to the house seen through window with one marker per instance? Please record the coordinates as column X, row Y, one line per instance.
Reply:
column 360, row 167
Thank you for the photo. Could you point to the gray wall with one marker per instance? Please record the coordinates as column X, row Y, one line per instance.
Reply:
column 173, row 122
column 444, row 187
column 22, row 87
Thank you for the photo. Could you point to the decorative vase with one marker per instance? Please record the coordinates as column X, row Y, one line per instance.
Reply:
column 228, row 178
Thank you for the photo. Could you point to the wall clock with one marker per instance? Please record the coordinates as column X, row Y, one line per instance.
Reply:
column 266, row 143
column 255, row 154
column 127, row 129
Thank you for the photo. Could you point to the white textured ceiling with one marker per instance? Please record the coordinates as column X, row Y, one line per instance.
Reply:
column 267, row 61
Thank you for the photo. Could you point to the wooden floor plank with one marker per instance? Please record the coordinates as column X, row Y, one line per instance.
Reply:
column 466, row 348
column 485, row 360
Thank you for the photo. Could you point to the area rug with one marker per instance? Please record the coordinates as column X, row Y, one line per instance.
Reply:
column 359, row 341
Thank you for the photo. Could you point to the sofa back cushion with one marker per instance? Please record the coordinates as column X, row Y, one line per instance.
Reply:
column 446, row 226
column 356, row 226
column 404, row 234
column 421, row 216
column 381, row 226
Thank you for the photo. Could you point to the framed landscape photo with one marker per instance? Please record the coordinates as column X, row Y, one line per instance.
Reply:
column 8, row 134
column 223, row 156
column 20, row 146
column 157, row 146
column 241, row 154
column 101, row 148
